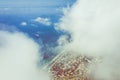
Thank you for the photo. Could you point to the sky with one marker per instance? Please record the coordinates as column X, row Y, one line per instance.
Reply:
column 32, row 16
column 33, row 6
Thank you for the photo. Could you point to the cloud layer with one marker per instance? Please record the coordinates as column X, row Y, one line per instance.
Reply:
column 95, row 31
column 19, row 56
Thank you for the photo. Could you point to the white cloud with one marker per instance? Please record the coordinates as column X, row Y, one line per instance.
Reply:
column 44, row 21
column 63, row 40
column 23, row 23
column 95, row 30
column 18, row 58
